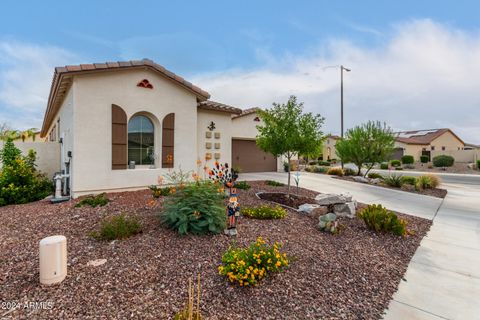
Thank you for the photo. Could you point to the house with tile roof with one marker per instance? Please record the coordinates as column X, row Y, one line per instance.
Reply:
column 122, row 124
column 428, row 142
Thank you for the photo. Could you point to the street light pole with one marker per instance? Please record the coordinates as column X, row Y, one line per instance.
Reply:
column 341, row 99
column 341, row 96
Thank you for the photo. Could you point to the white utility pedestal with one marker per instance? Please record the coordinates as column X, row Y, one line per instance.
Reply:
column 53, row 259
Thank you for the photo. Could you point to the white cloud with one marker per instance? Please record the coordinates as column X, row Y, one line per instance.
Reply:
column 424, row 75
column 26, row 72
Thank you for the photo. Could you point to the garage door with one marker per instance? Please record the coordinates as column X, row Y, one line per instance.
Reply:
column 397, row 153
column 249, row 158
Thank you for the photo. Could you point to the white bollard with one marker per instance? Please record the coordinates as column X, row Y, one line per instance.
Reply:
column 53, row 259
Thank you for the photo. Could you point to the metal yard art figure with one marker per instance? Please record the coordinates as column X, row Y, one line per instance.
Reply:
column 222, row 174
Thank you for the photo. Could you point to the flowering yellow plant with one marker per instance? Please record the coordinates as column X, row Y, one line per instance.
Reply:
column 249, row 265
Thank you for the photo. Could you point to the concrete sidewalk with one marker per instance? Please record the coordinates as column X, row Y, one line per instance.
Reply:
column 443, row 277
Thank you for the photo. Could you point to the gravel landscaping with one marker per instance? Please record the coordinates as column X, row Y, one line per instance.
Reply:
column 351, row 275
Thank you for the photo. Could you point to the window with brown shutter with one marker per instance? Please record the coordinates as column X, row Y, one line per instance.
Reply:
column 168, row 132
column 119, row 138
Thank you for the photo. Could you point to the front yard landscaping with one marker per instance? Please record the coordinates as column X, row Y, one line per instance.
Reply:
column 351, row 274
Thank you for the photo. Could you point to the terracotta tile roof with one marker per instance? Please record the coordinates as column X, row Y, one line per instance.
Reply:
column 423, row 137
column 246, row 112
column 217, row 106
column 62, row 79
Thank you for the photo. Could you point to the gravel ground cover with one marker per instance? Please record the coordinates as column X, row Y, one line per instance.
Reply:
column 352, row 275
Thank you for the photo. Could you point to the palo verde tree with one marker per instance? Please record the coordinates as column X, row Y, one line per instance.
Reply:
column 287, row 131
column 369, row 143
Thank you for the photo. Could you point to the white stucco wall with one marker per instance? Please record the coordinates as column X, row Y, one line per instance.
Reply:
column 223, row 125
column 93, row 96
column 245, row 127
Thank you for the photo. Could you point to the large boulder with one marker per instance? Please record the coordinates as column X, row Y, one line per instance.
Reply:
column 360, row 179
column 307, row 208
column 329, row 199
column 347, row 209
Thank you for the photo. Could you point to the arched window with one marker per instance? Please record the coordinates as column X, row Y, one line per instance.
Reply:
column 141, row 140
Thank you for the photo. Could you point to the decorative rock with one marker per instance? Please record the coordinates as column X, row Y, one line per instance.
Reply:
column 375, row 181
column 96, row 262
column 307, row 208
column 345, row 209
column 320, row 211
column 329, row 199
column 360, row 179
column 327, row 222
column 230, row 232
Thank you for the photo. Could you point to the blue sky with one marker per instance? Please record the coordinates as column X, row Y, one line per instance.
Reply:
column 234, row 49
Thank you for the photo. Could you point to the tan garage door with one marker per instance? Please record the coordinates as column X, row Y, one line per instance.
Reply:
column 249, row 158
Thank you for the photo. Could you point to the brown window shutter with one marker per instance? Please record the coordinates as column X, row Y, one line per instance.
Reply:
column 168, row 133
column 119, row 138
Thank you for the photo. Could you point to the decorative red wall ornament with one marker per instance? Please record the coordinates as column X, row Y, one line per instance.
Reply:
column 145, row 84
column 257, row 119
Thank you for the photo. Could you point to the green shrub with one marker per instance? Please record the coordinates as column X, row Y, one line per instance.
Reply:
column 157, row 192
column 265, row 212
column 393, row 180
column 324, row 163
column 195, row 208
column 309, row 168
column 409, row 180
column 478, row 164
column 427, row 181
column 313, row 162
column 93, row 201
column 335, row 171
column 384, row 165
column 407, row 159
column 20, row 182
column 349, row 172
column 285, row 166
column 274, row 183
column 443, row 161
column 398, row 168
column 319, row 169
column 395, row 163
column 247, row 266
column 243, row 185
column 424, row 158
column 380, row 219
column 117, row 227
column 374, row 175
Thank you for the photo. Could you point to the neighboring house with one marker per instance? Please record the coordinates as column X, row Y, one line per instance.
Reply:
column 471, row 146
column 31, row 138
column 108, row 116
column 428, row 142
column 329, row 150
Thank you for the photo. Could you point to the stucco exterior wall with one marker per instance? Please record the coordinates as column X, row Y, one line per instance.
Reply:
column 447, row 140
column 467, row 156
column 329, row 145
column 245, row 127
column 48, row 155
column 223, row 125
column 92, row 154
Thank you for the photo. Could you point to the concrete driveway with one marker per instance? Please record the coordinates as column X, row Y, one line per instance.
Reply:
column 443, row 277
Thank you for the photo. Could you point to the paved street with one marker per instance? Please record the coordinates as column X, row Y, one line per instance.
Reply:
column 443, row 278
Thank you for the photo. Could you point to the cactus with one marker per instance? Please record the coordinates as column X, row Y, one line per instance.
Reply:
column 328, row 223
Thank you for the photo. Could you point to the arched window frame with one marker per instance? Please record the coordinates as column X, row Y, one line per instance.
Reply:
column 145, row 149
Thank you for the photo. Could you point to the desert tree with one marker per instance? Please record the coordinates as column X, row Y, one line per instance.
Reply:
column 366, row 144
column 287, row 131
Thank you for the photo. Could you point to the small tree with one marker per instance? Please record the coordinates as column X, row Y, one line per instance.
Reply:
column 368, row 143
column 287, row 131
